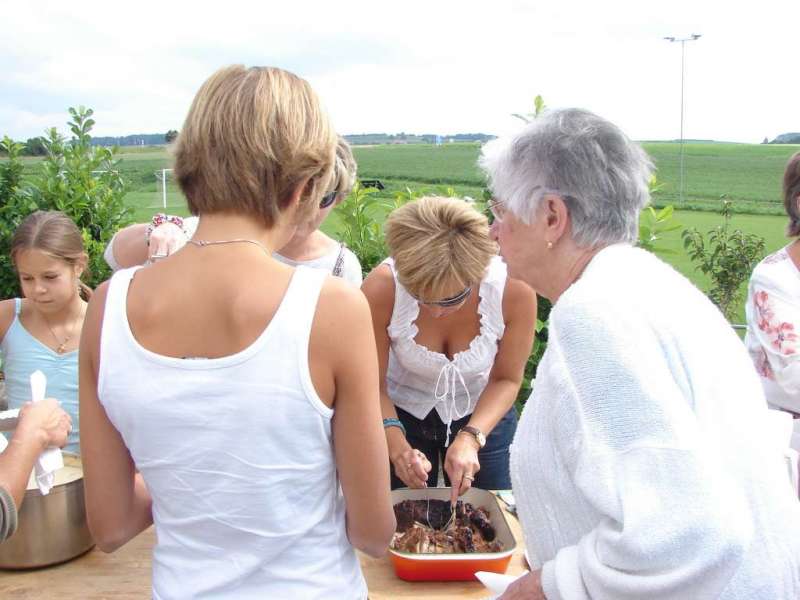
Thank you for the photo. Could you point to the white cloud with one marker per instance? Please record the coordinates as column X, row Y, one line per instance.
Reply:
column 418, row 66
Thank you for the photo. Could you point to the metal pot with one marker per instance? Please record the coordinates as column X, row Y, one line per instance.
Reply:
column 52, row 528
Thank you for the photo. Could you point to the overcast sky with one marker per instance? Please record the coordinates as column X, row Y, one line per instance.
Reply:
column 432, row 66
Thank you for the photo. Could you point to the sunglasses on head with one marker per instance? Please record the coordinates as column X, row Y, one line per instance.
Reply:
column 327, row 200
column 447, row 302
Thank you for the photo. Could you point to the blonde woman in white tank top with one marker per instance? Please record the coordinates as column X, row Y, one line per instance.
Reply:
column 453, row 335
column 216, row 401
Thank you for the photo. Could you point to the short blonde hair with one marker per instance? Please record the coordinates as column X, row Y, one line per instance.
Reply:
column 344, row 171
column 438, row 244
column 251, row 137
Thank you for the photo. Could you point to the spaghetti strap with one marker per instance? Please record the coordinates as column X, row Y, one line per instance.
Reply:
column 17, row 306
column 338, row 267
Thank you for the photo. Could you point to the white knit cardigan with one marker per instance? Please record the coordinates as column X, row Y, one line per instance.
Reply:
column 640, row 464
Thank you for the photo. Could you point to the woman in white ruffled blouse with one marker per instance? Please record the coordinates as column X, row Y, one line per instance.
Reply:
column 773, row 311
column 453, row 335
column 641, row 466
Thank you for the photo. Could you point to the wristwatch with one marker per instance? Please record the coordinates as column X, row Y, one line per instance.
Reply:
column 476, row 433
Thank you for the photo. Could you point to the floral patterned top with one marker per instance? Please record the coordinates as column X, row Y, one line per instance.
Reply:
column 773, row 328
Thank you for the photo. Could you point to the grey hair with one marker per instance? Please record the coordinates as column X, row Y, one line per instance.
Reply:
column 601, row 175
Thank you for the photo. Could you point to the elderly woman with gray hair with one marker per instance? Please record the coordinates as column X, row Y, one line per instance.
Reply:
column 640, row 465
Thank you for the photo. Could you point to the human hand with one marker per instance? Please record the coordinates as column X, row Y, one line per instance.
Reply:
column 412, row 467
column 165, row 239
column 461, row 463
column 44, row 421
column 527, row 587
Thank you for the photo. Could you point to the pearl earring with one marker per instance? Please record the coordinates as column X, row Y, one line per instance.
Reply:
column 549, row 245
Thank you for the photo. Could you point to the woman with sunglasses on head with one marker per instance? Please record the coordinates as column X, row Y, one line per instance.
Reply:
column 309, row 246
column 453, row 336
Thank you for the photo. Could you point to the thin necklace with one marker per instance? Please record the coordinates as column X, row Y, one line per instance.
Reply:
column 62, row 345
column 203, row 243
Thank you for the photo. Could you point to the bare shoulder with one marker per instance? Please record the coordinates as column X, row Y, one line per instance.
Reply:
column 518, row 299
column 378, row 286
column 341, row 305
column 340, row 323
column 94, row 312
column 6, row 315
column 99, row 295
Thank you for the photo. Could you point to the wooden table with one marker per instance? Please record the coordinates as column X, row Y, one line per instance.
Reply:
column 125, row 575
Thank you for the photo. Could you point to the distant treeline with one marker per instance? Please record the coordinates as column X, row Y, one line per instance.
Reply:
column 35, row 147
column 410, row 138
column 787, row 138
column 139, row 139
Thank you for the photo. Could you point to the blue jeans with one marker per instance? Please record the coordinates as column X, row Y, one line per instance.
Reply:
column 428, row 435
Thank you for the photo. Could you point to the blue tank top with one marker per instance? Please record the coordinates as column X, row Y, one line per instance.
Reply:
column 22, row 354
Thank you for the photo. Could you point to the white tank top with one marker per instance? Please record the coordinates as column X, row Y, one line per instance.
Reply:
column 418, row 380
column 237, row 454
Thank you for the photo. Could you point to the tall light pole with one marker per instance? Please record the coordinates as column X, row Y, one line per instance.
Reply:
column 683, row 41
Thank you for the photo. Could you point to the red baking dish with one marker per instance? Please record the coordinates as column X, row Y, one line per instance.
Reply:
column 455, row 567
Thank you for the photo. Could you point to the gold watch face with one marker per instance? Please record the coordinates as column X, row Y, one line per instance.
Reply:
column 481, row 439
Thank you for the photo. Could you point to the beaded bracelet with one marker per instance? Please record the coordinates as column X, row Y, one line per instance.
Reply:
column 394, row 423
column 160, row 219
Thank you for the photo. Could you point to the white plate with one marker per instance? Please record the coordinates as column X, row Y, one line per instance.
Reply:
column 497, row 582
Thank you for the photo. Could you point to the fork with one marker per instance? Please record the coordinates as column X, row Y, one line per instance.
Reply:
column 451, row 521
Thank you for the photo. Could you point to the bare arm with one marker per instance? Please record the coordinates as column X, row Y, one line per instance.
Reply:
column 342, row 337
column 505, row 378
column 378, row 287
column 6, row 316
column 118, row 505
column 128, row 246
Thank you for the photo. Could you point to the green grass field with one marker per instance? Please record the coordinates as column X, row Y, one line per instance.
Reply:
column 748, row 174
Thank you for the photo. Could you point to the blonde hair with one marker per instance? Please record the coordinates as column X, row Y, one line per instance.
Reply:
column 345, row 168
column 55, row 234
column 438, row 244
column 251, row 137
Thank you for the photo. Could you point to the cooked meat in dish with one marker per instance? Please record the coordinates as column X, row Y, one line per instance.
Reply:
column 425, row 527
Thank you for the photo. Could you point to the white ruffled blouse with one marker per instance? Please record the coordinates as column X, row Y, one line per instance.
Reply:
column 773, row 324
column 418, row 379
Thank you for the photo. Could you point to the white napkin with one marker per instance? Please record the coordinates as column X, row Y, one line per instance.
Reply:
column 497, row 582
column 51, row 459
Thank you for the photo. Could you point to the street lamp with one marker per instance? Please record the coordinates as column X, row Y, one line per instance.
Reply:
column 683, row 41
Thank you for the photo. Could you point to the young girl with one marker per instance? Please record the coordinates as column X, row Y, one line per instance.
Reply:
column 309, row 246
column 41, row 330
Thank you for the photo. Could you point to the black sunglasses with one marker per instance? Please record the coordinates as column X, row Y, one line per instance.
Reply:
column 327, row 200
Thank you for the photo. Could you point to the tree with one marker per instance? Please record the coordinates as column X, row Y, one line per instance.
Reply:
column 170, row 136
column 75, row 177
column 727, row 257
column 35, row 147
